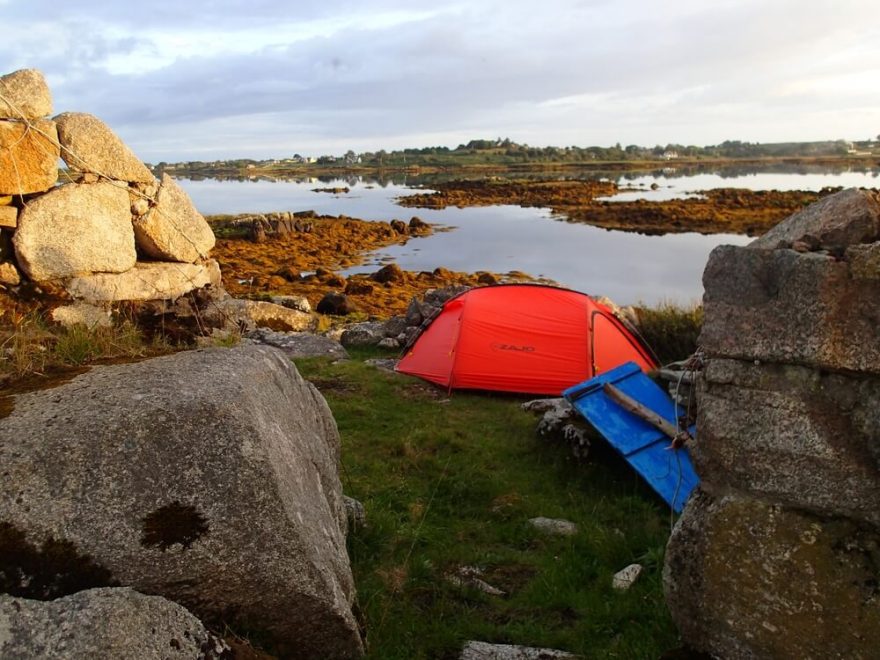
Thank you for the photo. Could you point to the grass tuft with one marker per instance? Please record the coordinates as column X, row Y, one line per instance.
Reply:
column 31, row 346
column 671, row 330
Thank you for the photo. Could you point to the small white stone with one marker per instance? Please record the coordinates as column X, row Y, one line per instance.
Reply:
column 624, row 579
column 556, row 526
column 485, row 651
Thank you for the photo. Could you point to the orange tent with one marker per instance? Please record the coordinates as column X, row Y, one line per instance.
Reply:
column 525, row 338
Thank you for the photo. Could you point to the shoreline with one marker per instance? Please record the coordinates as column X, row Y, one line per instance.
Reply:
column 481, row 169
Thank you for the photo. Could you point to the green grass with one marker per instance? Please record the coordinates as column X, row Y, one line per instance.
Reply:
column 30, row 346
column 671, row 330
column 452, row 481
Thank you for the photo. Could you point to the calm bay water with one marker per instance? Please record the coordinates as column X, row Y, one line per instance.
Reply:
column 624, row 266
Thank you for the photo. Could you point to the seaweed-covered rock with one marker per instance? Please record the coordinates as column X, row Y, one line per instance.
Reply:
column 335, row 304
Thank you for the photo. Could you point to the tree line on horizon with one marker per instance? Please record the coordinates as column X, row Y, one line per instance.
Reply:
column 503, row 151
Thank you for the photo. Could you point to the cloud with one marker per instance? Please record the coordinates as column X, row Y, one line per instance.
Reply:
column 259, row 79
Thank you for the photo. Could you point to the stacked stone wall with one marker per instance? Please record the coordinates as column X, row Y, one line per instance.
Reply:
column 108, row 225
column 778, row 553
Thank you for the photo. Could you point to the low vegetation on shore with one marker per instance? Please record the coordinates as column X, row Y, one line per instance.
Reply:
column 34, row 349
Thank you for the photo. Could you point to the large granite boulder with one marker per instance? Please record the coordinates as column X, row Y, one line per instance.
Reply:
column 781, row 305
column 172, row 229
column 748, row 579
column 208, row 477
column 76, row 229
column 24, row 94
column 795, row 435
column 148, row 280
column 88, row 145
column 104, row 623
column 847, row 218
column 28, row 157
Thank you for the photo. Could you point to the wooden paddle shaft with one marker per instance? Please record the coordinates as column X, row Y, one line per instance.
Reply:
column 642, row 412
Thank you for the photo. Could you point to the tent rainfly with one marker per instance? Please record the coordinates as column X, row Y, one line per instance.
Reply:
column 526, row 338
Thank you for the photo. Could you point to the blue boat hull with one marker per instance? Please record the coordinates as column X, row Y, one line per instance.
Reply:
column 669, row 471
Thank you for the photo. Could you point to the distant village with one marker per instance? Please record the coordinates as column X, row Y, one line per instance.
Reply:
column 505, row 152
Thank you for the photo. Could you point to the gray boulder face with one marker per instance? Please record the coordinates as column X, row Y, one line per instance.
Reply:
column 369, row 333
column 104, row 623
column 747, row 579
column 847, row 218
column 88, row 145
column 785, row 306
column 76, row 229
column 209, row 477
column 25, row 95
column 798, row 436
column 148, row 280
column 299, row 344
column 28, row 157
column 172, row 229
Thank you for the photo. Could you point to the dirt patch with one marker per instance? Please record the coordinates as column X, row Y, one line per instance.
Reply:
column 422, row 391
column 335, row 385
column 510, row 577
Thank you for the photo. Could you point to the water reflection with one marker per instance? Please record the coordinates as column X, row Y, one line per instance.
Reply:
column 868, row 172
column 628, row 267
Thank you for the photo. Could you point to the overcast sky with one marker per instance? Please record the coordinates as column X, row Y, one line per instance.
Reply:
column 188, row 79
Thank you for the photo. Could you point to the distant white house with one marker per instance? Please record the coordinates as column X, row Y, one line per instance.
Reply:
column 670, row 155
